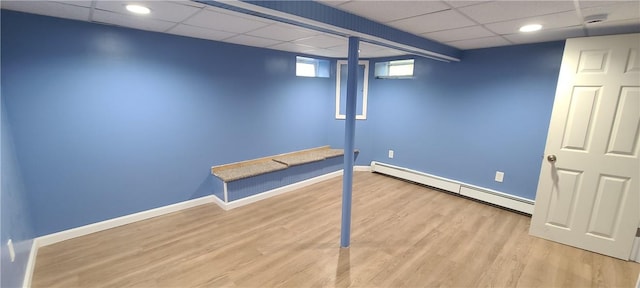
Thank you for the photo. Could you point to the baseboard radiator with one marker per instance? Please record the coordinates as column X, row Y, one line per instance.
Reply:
column 483, row 194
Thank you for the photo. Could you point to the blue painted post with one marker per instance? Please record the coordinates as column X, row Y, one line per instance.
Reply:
column 349, row 143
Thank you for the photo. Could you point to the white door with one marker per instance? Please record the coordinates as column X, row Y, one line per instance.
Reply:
column 589, row 196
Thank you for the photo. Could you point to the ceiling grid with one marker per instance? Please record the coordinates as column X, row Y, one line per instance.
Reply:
column 459, row 24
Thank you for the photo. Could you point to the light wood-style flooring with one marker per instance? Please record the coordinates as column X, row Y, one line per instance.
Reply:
column 403, row 235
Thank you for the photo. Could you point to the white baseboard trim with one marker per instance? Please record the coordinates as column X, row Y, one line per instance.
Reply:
column 275, row 192
column 115, row 222
column 362, row 168
column 131, row 218
column 483, row 194
column 31, row 264
column 497, row 200
column 127, row 219
column 635, row 251
column 283, row 189
column 416, row 176
column 638, row 282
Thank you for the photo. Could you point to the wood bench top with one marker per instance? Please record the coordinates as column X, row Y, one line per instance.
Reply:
column 245, row 169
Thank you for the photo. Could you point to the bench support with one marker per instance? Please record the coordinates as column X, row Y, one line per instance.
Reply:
column 226, row 193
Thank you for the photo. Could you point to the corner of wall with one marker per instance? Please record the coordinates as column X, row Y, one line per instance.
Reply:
column 15, row 215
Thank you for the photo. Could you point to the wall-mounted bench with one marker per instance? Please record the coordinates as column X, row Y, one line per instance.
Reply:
column 246, row 179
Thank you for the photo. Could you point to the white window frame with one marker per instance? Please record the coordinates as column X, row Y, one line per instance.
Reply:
column 387, row 69
column 365, row 84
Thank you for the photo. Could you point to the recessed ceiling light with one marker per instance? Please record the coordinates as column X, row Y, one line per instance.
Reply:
column 530, row 28
column 138, row 9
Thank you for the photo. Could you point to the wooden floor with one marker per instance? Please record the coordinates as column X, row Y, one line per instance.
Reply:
column 403, row 235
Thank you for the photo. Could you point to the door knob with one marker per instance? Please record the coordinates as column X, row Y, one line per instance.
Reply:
column 551, row 158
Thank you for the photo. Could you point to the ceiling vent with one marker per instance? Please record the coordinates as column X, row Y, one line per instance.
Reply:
column 592, row 19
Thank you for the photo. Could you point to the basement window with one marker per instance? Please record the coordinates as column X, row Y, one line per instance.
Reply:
column 396, row 69
column 311, row 67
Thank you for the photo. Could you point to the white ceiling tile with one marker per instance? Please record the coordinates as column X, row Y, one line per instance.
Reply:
column 219, row 21
column 131, row 21
column 623, row 10
column 470, row 32
column 614, row 27
column 462, row 3
column 342, row 49
column 456, row 27
column 48, row 8
column 252, row 41
column 238, row 14
column 385, row 11
column 550, row 21
column 321, row 41
column 190, row 3
column 77, row 3
column 591, row 3
column 160, row 10
column 508, row 10
column 326, row 53
column 283, row 32
column 547, row 35
column 432, row 22
column 493, row 41
column 288, row 46
column 197, row 32
column 367, row 47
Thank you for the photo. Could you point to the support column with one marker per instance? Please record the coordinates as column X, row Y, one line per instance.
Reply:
column 349, row 141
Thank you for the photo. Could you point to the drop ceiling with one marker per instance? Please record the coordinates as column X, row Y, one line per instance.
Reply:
column 460, row 24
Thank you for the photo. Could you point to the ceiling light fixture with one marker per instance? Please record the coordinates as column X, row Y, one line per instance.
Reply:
column 530, row 28
column 138, row 9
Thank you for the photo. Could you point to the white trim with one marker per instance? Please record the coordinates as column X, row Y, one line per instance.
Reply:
column 220, row 202
column 115, row 222
column 498, row 193
column 635, row 251
column 284, row 189
column 362, row 168
column 31, row 264
column 365, row 90
column 416, row 176
column 472, row 191
column 131, row 218
column 276, row 191
column 638, row 282
column 226, row 192
column 497, row 200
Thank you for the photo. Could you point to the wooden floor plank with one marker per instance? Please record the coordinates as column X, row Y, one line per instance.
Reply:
column 403, row 235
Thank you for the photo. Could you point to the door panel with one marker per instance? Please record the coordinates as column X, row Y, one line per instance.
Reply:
column 563, row 204
column 580, row 117
column 625, row 134
column 606, row 209
column 593, row 61
column 589, row 196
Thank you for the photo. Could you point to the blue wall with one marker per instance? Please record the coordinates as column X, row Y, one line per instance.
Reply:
column 14, row 213
column 466, row 120
column 111, row 121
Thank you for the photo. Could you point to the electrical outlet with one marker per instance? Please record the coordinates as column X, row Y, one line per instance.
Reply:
column 390, row 153
column 499, row 176
column 12, row 252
